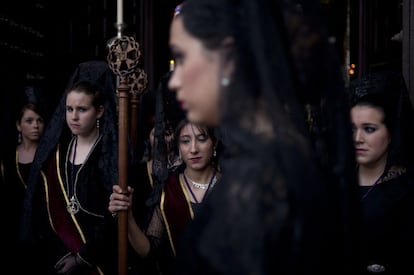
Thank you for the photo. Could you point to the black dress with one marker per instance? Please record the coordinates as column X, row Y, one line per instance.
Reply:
column 70, row 212
column 13, row 182
column 387, row 236
column 22, row 257
column 141, row 181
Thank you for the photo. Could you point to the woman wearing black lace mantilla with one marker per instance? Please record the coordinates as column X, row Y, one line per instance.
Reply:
column 24, row 132
column 283, row 203
column 72, row 177
column 383, row 124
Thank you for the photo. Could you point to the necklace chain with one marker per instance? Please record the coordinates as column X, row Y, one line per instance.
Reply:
column 74, row 206
column 370, row 189
column 18, row 170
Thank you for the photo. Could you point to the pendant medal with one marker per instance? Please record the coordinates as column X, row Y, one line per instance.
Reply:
column 73, row 206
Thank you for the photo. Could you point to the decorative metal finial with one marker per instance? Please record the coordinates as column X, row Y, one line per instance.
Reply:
column 137, row 81
column 123, row 55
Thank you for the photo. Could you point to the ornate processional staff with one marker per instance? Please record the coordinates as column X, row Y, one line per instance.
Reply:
column 137, row 82
column 123, row 57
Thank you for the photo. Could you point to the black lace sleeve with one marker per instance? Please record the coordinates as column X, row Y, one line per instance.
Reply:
column 155, row 232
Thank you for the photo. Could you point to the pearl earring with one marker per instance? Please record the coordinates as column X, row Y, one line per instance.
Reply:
column 225, row 81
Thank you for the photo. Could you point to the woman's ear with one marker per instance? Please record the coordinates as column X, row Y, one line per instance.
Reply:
column 18, row 126
column 100, row 111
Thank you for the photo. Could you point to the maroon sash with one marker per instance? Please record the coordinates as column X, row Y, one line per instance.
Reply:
column 176, row 209
column 64, row 225
column 60, row 220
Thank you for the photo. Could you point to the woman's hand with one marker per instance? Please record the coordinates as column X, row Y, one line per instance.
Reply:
column 120, row 200
column 72, row 264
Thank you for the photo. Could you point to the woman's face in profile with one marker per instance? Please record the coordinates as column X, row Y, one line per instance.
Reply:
column 196, row 75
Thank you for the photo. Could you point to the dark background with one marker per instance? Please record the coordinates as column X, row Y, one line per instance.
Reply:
column 44, row 40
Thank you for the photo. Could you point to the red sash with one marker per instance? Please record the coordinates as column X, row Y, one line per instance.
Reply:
column 65, row 225
column 60, row 220
column 176, row 209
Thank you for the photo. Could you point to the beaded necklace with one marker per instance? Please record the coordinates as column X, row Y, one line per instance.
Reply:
column 212, row 181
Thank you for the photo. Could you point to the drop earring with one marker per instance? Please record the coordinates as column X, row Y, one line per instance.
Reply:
column 19, row 137
column 97, row 123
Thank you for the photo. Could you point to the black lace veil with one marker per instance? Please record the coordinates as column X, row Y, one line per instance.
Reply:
column 285, row 203
column 167, row 115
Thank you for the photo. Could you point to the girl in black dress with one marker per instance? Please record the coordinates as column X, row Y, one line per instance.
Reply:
column 383, row 126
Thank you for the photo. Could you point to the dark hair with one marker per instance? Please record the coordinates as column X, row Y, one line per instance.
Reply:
column 29, row 106
column 383, row 105
column 209, row 131
column 210, row 24
column 32, row 98
column 91, row 89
